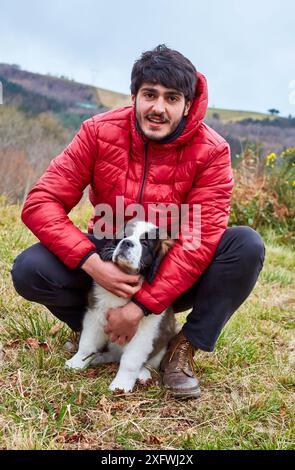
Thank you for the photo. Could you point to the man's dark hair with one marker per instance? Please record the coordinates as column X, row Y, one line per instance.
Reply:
column 166, row 67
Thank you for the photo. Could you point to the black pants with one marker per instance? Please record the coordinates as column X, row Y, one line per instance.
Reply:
column 39, row 276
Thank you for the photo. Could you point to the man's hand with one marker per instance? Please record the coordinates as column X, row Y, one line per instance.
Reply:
column 123, row 323
column 109, row 276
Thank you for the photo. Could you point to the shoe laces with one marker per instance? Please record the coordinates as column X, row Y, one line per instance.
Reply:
column 185, row 356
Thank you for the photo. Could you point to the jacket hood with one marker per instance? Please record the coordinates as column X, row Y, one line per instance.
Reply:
column 199, row 107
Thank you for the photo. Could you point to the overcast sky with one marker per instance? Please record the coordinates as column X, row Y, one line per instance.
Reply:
column 246, row 49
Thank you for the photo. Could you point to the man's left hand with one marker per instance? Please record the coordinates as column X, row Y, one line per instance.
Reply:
column 123, row 323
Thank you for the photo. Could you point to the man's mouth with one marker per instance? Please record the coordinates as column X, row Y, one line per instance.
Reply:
column 156, row 120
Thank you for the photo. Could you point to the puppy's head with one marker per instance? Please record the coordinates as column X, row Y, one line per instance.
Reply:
column 140, row 251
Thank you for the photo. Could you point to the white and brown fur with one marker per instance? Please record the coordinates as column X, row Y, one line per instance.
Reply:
column 149, row 344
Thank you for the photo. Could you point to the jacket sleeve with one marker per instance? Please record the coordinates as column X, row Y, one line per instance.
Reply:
column 57, row 192
column 185, row 262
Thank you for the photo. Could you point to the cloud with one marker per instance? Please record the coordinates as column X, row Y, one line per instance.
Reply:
column 245, row 49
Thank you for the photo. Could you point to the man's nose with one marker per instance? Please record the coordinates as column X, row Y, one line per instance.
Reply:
column 159, row 106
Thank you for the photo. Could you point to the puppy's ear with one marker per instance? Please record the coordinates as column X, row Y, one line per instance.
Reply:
column 107, row 251
column 160, row 251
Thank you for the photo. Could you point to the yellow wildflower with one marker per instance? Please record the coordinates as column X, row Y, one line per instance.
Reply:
column 270, row 158
column 288, row 151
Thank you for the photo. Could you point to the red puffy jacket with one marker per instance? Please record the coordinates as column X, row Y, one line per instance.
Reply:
column 108, row 154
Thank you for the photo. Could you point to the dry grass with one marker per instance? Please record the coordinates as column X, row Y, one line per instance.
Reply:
column 111, row 99
column 247, row 384
column 233, row 115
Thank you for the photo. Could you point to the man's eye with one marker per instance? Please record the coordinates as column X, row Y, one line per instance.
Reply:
column 173, row 98
column 149, row 95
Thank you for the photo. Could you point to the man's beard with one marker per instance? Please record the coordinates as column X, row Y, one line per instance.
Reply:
column 161, row 116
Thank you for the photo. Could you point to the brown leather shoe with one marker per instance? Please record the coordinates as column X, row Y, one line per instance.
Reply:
column 177, row 367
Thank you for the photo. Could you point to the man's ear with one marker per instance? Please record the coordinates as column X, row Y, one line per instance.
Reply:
column 161, row 250
column 187, row 107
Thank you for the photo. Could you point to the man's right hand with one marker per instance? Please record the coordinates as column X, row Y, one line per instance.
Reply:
column 109, row 276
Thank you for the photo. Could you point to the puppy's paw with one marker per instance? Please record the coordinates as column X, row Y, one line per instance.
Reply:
column 145, row 383
column 124, row 386
column 144, row 376
column 76, row 362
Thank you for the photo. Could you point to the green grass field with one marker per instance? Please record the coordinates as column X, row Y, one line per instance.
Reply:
column 227, row 115
column 247, row 384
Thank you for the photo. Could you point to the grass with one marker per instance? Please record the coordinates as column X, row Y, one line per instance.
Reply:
column 226, row 115
column 247, row 384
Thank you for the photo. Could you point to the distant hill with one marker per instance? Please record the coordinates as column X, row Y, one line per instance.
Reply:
column 227, row 115
column 24, row 88
column 112, row 99
column 34, row 92
column 72, row 102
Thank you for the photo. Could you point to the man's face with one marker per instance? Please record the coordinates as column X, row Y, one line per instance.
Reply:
column 159, row 109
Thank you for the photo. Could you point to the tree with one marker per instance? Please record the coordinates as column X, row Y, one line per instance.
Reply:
column 273, row 111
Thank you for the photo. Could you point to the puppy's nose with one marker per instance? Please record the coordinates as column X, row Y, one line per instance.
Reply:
column 127, row 244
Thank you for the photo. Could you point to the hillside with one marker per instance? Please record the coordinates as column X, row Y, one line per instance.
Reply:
column 70, row 103
column 27, row 90
column 233, row 115
column 64, row 95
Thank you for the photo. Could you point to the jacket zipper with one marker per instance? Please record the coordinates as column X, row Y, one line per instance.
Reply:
column 145, row 170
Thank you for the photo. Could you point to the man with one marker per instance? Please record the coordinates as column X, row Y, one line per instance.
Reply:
column 157, row 151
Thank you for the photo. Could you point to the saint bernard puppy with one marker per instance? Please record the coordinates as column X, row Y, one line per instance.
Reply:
column 140, row 251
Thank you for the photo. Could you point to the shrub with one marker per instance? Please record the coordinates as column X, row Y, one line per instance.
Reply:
column 264, row 194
